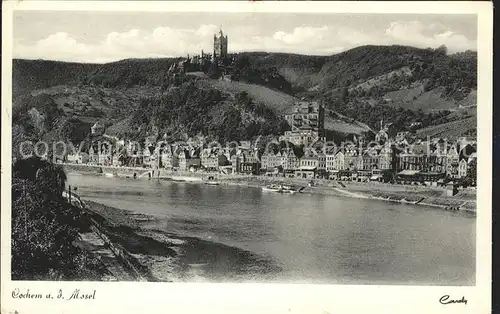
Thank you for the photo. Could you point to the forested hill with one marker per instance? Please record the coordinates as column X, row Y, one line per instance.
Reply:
column 369, row 83
column 456, row 73
column 395, row 83
column 29, row 75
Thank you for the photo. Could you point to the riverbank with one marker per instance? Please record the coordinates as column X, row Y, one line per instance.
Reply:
column 465, row 200
column 161, row 256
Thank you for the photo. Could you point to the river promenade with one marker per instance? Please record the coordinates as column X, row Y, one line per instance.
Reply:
column 465, row 199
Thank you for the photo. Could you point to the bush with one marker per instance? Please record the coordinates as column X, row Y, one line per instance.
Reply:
column 44, row 224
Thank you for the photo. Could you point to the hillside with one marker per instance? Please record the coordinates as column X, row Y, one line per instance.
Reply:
column 29, row 75
column 278, row 101
column 451, row 130
column 393, row 66
column 358, row 88
column 199, row 108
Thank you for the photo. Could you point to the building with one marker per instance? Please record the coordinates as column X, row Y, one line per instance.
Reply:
column 168, row 159
column 193, row 163
column 104, row 155
column 220, row 46
column 452, row 161
column 209, row 159
column 78, row 158
column 97, row 129
column 339, row 161
column 183, row 156
column 188, row 160
column 229, row 152
column 237, row 159
column 249, row 162
column 463, row 166
column 271, row 160
column 249, row 167
column 370, row 159
column 352, row 158
column 245, row 145
column 105, row 158
column 117, row 161
column 93, row 156
column 321, row 168
column 382, row 136
column 307, row 122
column 402, row 137
column 385, row 158
column 386, row 132
column 149, row 157
column 303, row 137
column 420, row 157
column 308, row 168
column 330, row 162
column 289, row 160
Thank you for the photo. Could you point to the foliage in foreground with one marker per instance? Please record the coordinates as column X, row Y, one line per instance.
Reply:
column 44, row 225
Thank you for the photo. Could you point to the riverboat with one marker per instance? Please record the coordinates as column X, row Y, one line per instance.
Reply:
column 289, row 189
column 273, row 188
column 212, row 181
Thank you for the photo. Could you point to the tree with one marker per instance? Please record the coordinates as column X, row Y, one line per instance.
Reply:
column 242, row 61
column 213, row 70
column 442, row 50
column 344, row 93
column 44, row 224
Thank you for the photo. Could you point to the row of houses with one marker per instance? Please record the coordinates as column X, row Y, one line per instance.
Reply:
column 429, row 158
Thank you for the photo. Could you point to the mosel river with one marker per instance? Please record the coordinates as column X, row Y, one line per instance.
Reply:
column 313, row 238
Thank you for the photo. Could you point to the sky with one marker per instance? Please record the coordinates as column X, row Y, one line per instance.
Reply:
column 100, row 37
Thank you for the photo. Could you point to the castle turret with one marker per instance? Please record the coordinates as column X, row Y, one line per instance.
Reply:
column 220, row 46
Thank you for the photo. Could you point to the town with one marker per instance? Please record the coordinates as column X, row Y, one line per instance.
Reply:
column 389, row 156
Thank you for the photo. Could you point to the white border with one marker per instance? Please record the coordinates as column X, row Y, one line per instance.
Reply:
column 269, row 298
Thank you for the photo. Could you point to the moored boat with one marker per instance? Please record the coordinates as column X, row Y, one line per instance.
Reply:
column 212, row 181
column 289, row 189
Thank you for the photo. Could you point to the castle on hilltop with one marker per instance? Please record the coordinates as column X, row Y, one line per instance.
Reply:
column 220, row 46
column 203, row 61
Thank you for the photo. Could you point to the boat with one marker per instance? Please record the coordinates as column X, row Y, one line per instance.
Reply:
column 289, row 189
column 109, row 174
column 212, row 181
column 273, row 188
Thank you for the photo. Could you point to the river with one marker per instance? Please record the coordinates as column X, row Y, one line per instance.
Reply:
column 313, row 238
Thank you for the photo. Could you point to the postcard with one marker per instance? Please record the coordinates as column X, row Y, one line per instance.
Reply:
column 241, row 156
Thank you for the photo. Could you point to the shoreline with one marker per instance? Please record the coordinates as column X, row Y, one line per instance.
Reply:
column 464, row 201
column 156, row 255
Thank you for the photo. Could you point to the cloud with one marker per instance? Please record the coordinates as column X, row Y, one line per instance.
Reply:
column 167, row 41
column 415, row 33
column 302, row 35
column 135, row 43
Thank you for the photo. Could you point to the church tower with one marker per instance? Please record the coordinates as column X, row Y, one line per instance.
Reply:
column 220, row 46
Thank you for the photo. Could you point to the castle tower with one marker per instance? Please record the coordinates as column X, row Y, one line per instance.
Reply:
column 220, row 46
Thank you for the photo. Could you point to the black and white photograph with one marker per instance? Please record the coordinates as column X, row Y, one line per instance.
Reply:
column 247, row 147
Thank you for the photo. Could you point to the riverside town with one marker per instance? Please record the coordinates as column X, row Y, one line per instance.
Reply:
column 237, row 164
column 303, row 152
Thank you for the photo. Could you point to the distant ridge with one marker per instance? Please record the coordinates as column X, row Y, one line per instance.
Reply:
column 358, row 87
